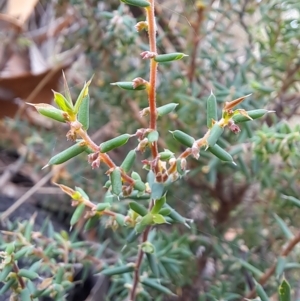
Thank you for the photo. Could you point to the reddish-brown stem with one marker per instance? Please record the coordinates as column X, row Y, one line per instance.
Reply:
column 265, row 277
column 104, row 157
column 20, row 279
column 137, row 267
column 150, row 12
column 90, row 143
column 153, row 73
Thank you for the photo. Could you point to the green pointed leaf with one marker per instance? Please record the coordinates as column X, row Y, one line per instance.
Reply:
column 139, row 209
column 77, row 214
column 280, row 266
column 129, row 161
column 284, row 291
column 128, row 86
column 159, row 203
column 293, row 200
column 283, row 226
column 116, row 181
column 83, row 94
column 166, row 109
column 82, row 193
column 153, row 264
column 157, row 286
column 215, row 133
column 165, row 58
column 50, row 111
column 68, row 154
column 220, row 153
column 261, row 292
column 211, row 110
column 157, row 190
column 28, row 274
column 159, row 219
column 183, row 138
column 255, row 271
column 139, row 3
column 114, row 143
column 254, row 114
column 144, row 223
column 63, row 103
column 84, row 113
column 118, row 270
column 103, row 206
column 5, row 271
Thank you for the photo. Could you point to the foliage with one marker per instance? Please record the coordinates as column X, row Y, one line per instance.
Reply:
column 243, row 209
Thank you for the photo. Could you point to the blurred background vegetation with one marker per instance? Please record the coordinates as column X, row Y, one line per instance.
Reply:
column 243, row 215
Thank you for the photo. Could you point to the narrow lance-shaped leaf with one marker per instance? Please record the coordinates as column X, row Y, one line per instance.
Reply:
column 28, row 274
column 166, row 109
column 83, row 93
column 91, row 223
column 261, row 292
column 136, row 176
column 153, row 264
column 158, row 205
column 118, row 270
column 132, row 236
column 283, row 226
column 159, row 219
column 254, row 114
column 174, row 215
column 129, row 86
column 281, row 263
column 84, row 113
column 165, row 211
column 211, row 110
column 153, row 284
column 183, row 138
column 139, row 185
column 68, row 154
column 114, row 143
column 120, row 219
column 77, row 214
column 166, row 155
column 50, row 111
column 7, row 286
column 144, row 223
column 215, row 133
column 63, row 103
column 292, row 199
column 116, row 181
column 139, row 3
column 157, row 190
column 128, row 161
column 169, row 57
column 284, row 291
column 251, row 268
column 102, row 206
column 5, row 271
column 136, row 207
column 219, row 152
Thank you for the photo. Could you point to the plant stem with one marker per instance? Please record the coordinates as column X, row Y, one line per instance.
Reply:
column 20, row 279
column 265, row 277
column 150, row 12
column 137, row 267
column 153, row 73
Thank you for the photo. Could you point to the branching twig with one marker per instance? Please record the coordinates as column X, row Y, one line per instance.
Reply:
column 265, row 277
